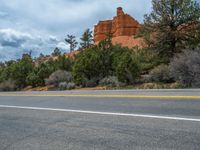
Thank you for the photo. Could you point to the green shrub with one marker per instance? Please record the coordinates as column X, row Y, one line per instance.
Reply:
column 126, row 66
column 147, row 59
column 87, row 66
column 58, row 77
column 19, row 70
column 63, row 63
column 101, row 61
column 160, row 74
column 4, row 74
column 111, row 81
column 33, row 79
column 39, row 74
column 185, row 68
column 66, row 86
column 92, row 82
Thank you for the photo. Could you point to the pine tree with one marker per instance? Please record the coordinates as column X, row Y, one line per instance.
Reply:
column 86, row 39
column 171, row 26
column 56, row 52
column 71, row 40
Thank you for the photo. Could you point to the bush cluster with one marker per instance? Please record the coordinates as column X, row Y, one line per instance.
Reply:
column 27, row 71
column 98, row 62
column 58, row 77
column 67, row 86
column 160, row 74
column 111, row 81
column 104, row 65
column 185, row 68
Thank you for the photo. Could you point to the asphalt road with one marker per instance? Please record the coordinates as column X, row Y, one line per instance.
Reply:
column 104, row 120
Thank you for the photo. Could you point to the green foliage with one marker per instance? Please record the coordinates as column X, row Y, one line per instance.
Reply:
column 126, row 66
column 2, row 65
column 161, row 74
column 58, row 77
column 44, row 70
column 171, row 26
column 106, row 54
column 63, row 63
column 34, row 80
column 71, row 40
column 56, row 52
column 39, row 74
column 8, row 85
column 111, row 81
column 105, row 60
column 147, row 59
column 4, row 74
column 94, row 63
column 87, row 66
column 5, row 68
column 9, row 63
column 86, row 39
column 19, row 71
column 195, row 42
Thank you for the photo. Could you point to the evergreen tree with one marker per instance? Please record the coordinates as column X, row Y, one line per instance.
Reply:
column 41, row 55
column 39, row 74
column 19, row 71
column 86, row 39
column 71, row 40
column 63, row 63
column 171, row 26
column 56, row 52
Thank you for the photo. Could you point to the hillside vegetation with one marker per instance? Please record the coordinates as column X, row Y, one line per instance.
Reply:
column 171, row 58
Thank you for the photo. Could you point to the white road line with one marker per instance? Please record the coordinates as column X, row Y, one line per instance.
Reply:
column 103, row 113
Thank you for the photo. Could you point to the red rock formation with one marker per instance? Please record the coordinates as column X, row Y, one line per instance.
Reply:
column 103, row 28
column 121, row 25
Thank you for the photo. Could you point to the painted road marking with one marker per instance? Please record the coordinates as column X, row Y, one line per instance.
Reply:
column 102, row 96
column 103, row 113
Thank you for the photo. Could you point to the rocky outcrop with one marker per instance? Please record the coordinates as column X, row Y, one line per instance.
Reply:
column 101, row 30
column 122, row 25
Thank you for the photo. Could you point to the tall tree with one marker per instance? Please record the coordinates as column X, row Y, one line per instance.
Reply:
column 171, row 26
column 86, row 39
column 71, row 40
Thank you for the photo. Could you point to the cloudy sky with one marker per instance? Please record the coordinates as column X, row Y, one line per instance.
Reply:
column 41, row 25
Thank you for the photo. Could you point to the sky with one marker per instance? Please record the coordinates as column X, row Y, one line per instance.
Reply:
column 41, row 25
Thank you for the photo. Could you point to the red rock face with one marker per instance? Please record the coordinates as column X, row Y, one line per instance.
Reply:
column 103, row 28
column 121, row 25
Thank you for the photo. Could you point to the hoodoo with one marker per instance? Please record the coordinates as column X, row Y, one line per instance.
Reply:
column 122, row 28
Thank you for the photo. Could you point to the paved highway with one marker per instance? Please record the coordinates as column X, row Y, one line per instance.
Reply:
column 104, row 120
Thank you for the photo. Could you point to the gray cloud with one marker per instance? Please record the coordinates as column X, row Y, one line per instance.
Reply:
column 12, row 38
column 3, row 14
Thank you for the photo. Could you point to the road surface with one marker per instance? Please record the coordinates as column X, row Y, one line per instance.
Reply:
column 103, row 120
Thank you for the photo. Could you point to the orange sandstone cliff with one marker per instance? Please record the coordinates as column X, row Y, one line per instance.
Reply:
column 122, row 28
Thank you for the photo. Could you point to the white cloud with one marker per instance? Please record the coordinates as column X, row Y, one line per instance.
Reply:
column 63, row 47
column 53, row 38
